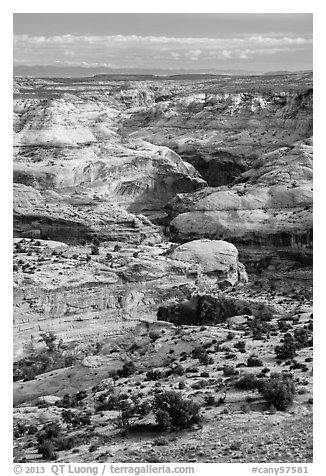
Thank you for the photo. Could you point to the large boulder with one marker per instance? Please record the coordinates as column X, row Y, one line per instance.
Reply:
column 213, row 256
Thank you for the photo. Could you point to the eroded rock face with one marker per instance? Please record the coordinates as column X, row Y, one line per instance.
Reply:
column 222, row 126
column 273, row 204
column 72, row 170
column 213, row 309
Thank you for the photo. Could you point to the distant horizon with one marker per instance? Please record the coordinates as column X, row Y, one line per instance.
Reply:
column 253, row 42
column 48, row 71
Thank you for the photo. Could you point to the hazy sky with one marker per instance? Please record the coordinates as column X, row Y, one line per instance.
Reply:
column 247, row 41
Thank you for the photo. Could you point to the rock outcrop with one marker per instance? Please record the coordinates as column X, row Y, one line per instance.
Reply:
column 213, row 256
column 212, row 309
column 272, row 205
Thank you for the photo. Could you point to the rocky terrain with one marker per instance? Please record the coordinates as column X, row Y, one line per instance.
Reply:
column 163, row 242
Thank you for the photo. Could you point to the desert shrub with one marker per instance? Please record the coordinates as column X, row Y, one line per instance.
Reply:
column 173, row 411
column 112, row 403
column 299, row 366
column 135, row 254
column 265, row 370
column 228, row 370
column 246, row 382
column 209, row 400
column 117, row 248
column 253, row 361
column 230, row 336
column 259, row 328
column 278, row 390
column 192, row 370
column 199, row 384
column 205, row 359
column 302, row 337
column 109, row 256
column 95, row 250
column 181, row 385
column 160, row 442
column 49, row 431
column 93, row 447
column 68, row 401
column 69, row 360
column 178, row 370
column 288, row 348
column 131, row 411
column 81, row 395
column 20, row 429
column 32, row 430
column 49, row 338
column 284, row 325
column 127, row 369
column 46, row 449
column 64, row 443
column 155, row 374
column 96, row 241
column 75, row 419
column 241, row 346
column 235, row 446
column 154, row 335
column 204, row 374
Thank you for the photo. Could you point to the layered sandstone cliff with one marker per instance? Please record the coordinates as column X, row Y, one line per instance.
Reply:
column 113, row 161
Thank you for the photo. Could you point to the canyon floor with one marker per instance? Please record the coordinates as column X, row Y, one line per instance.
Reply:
column 163, row 249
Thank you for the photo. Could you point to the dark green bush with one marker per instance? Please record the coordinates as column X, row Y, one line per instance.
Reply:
column 246, row 382
column 127, row 369
column 155, row 374
column 178, row 370
column 278, row 390
column 131, row 411
column 209, row 400
column 259, row 328
column 75, row 419
column 253, row 361
column 302, row 337
column 68, row 401
column 96, row 241
column 49, row 338
column 228, row 370
column 241, row 346
column 287, row 350
column 95, row 250
column 172, row 410
column 46, row 449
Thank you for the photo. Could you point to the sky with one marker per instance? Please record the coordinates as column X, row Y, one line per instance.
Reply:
column 185, row 41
